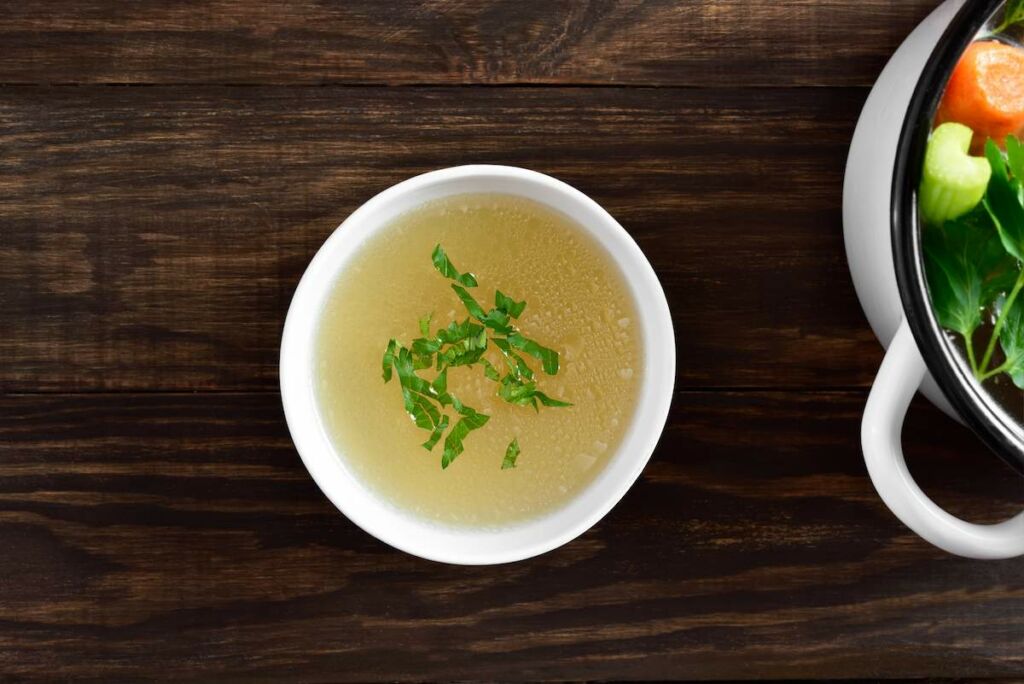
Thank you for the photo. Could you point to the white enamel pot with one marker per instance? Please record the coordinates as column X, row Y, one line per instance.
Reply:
column 883, row 249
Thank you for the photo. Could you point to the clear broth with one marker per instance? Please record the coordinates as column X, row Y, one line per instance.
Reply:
column 577, row 304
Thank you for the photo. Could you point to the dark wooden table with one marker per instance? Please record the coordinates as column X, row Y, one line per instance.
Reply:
column 167, row 169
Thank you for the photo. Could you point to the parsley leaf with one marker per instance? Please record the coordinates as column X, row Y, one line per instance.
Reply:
column 519, row 392
column 406, row 370
column 423, row 413
column 525, row 393
column 495, row 319
column 421, row 361
column 467, row 350
column 435, row 436
column 490, row 371
column 472, row 306
column 1012, row 14
column 547, row 357
column 507, row 305
column 1002, row 200
column 1015, row 156
column 514, row 361
column 470, row 420
column 966, row 268
column 1011, row 339
column 456, row 332
column 422, row 345
column 440, row 384
column 548, row 401
column 445, row 266
column 389, row 359
column 511, row 454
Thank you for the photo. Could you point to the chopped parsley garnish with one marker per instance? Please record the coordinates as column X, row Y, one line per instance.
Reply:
column 465, row 343
column 445, row 266
column 425, row 324
column 511, row 454
column 490, row 371
column 504, row 303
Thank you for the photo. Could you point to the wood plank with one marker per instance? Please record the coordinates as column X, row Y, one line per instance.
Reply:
column 662, row 42
column 152, row 236
column 179, row 536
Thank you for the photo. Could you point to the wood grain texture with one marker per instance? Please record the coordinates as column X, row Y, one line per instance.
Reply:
column 156, row 522
column 661, row 42
column 179, row 536
column 153, row 236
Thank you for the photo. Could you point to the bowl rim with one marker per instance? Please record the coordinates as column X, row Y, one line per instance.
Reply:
column 997, row 429
column 476, row 546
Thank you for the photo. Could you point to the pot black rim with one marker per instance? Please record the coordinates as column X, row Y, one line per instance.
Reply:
column 997, row 429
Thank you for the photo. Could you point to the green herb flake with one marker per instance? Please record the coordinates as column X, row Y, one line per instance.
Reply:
column 421, row 361
column 406, row 370
column 516, row 391
column 467, row 350
column 440, row 383
column 472, row 306
column 490, row 372
column 508, row 305
column 1012, row 14
column 423, row 413
column 462, row 357
column 425, row 324
column 525, row 393
column 498, row 321
column 511, row 454
column 422, row 345
column 470, row 420
column 547, row 357
column 435, row 436
column 389, row 359
column 444, row 265
column 456, row 332
column 548, row 401
column 516, row 364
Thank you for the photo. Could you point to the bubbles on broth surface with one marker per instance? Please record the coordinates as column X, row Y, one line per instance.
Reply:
column 576, row 303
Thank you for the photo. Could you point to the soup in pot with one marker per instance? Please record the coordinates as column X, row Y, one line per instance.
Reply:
column 971, row 205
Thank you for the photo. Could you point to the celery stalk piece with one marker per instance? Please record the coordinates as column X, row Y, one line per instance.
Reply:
column 953, row 182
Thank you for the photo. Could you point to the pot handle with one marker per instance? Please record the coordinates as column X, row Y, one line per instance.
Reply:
column 898, row 379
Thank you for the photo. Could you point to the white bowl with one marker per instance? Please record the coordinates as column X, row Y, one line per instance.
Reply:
column 428, row 539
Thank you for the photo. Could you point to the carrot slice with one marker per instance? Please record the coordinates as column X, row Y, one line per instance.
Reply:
column 986, row 92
